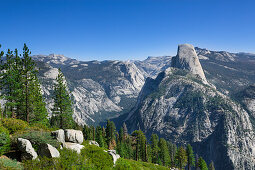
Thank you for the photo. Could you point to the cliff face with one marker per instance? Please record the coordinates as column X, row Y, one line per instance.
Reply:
column 181, row 106
column 100, row 90
column 187, row 59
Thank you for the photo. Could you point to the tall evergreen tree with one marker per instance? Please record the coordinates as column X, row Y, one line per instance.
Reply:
column 110, row 134
column 163, row 152
column 172, row 151
column 190, row 156
column 181, row 157
column 62, row 111
column 121, row 135
column 21, row 88
column 99, row 136
column 154, row 147
column 9, row 84
column 39, row 111
column 32, row 103
column 140, row 150
column 125, row 130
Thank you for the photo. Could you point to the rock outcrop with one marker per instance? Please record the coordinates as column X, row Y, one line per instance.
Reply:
column 48, row 151
column 59, row 135
column 114, row 155
column 73, row 146
column 92, row 142
column 75, row 136
column 70, row 139
column 25, row 146
column 187, row 59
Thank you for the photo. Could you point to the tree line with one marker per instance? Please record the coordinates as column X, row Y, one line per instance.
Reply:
column 136, row 146
column 22, row 93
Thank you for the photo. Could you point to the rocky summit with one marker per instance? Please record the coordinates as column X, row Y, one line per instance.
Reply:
column 187, row 59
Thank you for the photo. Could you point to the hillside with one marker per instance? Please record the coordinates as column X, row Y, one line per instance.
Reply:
column 182, row 107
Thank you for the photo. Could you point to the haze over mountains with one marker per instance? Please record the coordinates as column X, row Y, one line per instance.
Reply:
column 199, row 96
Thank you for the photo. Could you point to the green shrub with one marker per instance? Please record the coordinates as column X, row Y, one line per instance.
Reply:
column 98, row 157
column 126, row 164
column 39, row 126
column 68, row 160
column 14, row 125
column 37, row 138
column 10, row 164
column 5, row 140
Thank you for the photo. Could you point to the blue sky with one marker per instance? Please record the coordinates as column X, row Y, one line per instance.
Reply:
column 126, row 29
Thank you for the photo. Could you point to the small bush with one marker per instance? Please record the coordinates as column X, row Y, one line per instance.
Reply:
column 14, row 125
column 37, row 138
column 125, row 164
column 39, row 126
column 10, row 164
column 68, row 160
column 5, row 140
column 97, row 156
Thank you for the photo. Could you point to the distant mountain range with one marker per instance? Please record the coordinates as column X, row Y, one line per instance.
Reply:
column 202, row 97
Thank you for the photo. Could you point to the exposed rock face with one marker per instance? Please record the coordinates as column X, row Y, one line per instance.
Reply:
column 114, row 155
column 59, row 135
column 73, row 146
column 75, row 136
column 229, row 72
column 48, row 151
column 28, row 152
column 151, row 66
column 100, row 90
column 91, row 142
column 178, row 107
column 187, row 59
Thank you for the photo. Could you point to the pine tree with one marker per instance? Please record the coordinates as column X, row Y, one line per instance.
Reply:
column 140, row 147
column 9, row 84
column 190, row 156
column 110, row 134
column 21, row 88
column 121, row 135
column 172, row 151
column 28, row 73
column 211, row 166
column 163, row 152
column 181, row 157
column 99, row 136
column 128, row 148
column 39, row 111
column 154, row 147
column 62, row 111
column 202, row 164
column 125, row 130
column 32, row 103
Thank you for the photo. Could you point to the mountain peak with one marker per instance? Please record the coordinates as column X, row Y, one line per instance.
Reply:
column 187, row 59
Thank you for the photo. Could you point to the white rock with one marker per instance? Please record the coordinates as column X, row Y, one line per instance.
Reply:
column 48, row 151
column 75, row 136
column 28, row 152
column 59, row 135
column 73, row 146
column 114, row 155
column 92, row 142
column 187, row 59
